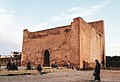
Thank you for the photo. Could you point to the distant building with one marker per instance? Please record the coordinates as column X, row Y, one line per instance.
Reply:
column 14, row 56
column 80, row 43
column 4, row 59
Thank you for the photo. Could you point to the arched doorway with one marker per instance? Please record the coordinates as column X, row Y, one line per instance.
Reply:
column 46, row 58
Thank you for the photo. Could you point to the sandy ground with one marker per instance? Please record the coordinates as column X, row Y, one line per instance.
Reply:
column 58, row 75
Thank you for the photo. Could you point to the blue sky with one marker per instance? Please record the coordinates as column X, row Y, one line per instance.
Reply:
column 16, row 15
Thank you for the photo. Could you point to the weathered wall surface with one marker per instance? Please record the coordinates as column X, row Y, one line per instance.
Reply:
column 80, row 43
column 56, row 41
column 91, row 44
column 75, row 41
column 99, row 25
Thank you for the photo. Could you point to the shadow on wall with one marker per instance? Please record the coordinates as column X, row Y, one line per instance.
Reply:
column 88, row 66
column 61, row 63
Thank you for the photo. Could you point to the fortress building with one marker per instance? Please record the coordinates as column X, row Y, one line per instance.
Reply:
column 80, row 43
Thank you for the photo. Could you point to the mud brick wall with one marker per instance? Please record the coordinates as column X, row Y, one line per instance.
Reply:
column 80, row 43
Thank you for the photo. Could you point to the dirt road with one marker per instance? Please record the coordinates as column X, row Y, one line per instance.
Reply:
column 65, row 76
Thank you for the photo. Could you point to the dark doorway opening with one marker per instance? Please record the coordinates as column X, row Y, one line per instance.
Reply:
column 46, row 58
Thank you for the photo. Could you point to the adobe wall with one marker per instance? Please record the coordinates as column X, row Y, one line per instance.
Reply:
column 91, row 44
column 80, row 43
column 99, row 25
column 57, row 41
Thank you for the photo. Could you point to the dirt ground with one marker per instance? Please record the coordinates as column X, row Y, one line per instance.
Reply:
column 58, row 75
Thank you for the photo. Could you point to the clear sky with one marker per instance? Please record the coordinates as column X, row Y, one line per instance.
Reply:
column 35, row 15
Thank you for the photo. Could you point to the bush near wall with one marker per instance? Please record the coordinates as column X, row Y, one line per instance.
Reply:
column 113, row 61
